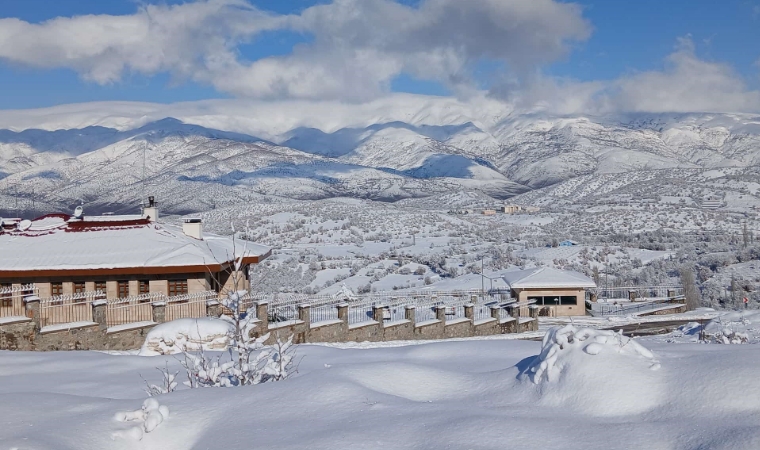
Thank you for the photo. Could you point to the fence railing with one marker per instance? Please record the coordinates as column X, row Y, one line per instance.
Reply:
column 323, row 313
column 131, row 309
column 68, row 308
column 188, row 305
column 638, row 292
column 606, row 309
column 12, row 300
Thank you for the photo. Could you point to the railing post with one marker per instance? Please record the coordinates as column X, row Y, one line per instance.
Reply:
column 514, row 311
column 495, row 312
column 378, row 314
column 410, row 312
column 159, row 311
column 100, row 313
column 469, row 311
column 262, row 313
column 304, row 313
column 632, row 295
column 671, row 294
column 343, row 312
column 32, row 306
column 440, row 313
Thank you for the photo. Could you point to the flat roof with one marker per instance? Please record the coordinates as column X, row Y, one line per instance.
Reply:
column 546, row 277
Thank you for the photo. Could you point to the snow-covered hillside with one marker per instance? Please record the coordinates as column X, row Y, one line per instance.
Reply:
column 401, row 147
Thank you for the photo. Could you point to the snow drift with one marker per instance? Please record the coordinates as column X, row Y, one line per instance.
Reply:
column 187, row 334
column 598, row 372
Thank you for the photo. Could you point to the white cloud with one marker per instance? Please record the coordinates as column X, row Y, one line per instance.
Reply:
column 686, row 83
column 358, row 46
column 184, row 40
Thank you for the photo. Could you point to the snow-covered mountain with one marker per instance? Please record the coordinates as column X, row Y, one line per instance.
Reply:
column 398, row 150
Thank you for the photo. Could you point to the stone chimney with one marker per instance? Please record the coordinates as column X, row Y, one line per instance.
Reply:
column 150, row 211
column 194, row 228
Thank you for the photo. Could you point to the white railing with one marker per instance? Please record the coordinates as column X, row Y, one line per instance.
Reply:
column 132, row 309
column 360, row 312
column 640, row 292
column 188, row 305
column 68, row 308
column 12, row 300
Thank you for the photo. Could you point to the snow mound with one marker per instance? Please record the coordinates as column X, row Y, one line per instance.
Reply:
column 598, row 372
column 187, row 335
column 150, row 416
column 738, row 327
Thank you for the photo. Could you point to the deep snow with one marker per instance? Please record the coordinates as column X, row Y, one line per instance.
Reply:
column 449, row 394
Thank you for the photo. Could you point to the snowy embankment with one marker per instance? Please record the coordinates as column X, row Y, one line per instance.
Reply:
column 581, row 389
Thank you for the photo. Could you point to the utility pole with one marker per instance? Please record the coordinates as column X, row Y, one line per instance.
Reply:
column 482, row 280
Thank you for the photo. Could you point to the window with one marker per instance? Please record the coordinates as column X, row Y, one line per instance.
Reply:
column 555, row 300
column 6, row 298
column 144, row 287
column 56, row 289
column 100, row 286
column 177, row 287
column 79, row 287
column 123, row 289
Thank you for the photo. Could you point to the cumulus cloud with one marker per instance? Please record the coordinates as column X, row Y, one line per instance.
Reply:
column 685, row 83
column 358, row 46
column 186, row 40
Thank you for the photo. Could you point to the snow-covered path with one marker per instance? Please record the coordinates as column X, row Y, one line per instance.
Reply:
column 442, row 395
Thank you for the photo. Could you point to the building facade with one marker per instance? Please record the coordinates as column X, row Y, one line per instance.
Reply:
column 120, row 256
column 562, row 291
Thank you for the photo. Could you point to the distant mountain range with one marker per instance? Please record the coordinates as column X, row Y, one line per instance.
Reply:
column 191, row 166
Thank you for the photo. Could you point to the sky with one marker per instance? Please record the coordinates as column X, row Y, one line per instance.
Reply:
column 587, row 56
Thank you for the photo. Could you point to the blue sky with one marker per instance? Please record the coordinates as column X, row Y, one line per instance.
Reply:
column 626, row 38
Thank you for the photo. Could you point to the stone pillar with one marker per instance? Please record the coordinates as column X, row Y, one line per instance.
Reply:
column 99, row 314
column 378, row 314
column 533, row 311
column 440, row 313
column 213, row 308
column 469, row 311
column 262, row 313
column 343, row 312
column 159, row 312
column 32, row 304
column 409, row 313
column 593, row 297
column 304, row 313
column 495, row 312
column 632, row 295
column 514, row 311
column 671, row 294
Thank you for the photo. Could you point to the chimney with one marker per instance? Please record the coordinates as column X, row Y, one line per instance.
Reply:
column 151, row 210
column 193, row 227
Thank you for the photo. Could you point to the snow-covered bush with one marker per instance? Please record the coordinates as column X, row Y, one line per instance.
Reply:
column 184, row 335
column 599, row 372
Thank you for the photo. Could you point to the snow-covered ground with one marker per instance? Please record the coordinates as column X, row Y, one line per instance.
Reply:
column 587, row 390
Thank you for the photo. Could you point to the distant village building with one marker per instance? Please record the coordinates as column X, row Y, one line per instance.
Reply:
column 489, row 212
column 511, row 209
column 562, row 290
column 122, row 256
column 712, row 202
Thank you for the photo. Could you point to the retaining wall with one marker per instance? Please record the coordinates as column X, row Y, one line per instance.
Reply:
column 25, row 333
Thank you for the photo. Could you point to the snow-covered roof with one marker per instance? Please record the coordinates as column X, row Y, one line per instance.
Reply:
column 58, row 243
column 546, row 277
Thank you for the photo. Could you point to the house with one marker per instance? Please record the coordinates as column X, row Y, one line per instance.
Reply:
column 562, row 290
column 121, row 256
column 489, row 212
column 511, row 209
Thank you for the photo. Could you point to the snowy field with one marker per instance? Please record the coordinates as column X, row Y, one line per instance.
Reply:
column 587, row 390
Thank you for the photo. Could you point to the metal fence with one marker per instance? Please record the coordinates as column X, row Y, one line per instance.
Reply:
column 605, row 309
column 323, row 313
column 639, row 292
column 12, row 300
column 68, row 308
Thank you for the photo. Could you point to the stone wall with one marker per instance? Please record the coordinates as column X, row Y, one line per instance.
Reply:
column 26, row 334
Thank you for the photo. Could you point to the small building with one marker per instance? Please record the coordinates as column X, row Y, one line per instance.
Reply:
column 562, row 290
column 489, row 212
column 511, row 209
column 121, row 256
